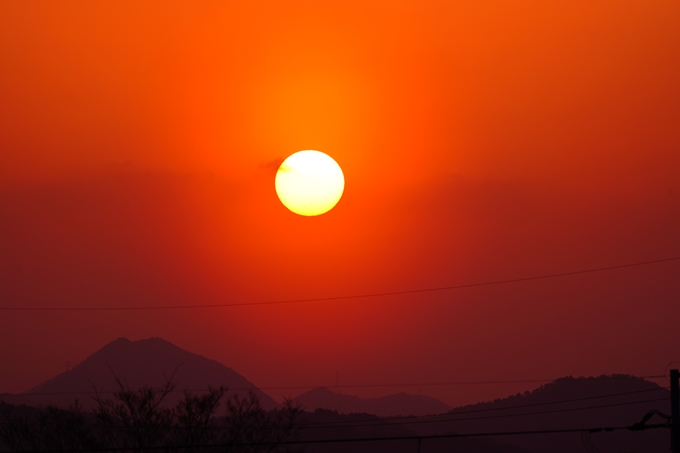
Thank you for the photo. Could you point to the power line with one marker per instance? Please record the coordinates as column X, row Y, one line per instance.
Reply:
column 388, row 421
column 518, row 406
column 363, row 439
column 354, row 296
column 440, row 418
column 349, row 386
column 455, row 416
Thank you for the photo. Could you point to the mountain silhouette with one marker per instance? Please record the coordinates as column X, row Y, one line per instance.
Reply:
column 386, row 406
column 567, row 403
column 149, row 362
column 583, row 403
column 323, row 424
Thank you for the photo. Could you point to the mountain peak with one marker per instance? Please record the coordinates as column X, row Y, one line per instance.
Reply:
column 147, row 362
column 386, row 406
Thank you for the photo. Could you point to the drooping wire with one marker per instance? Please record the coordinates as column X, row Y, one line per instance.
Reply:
column 607, row 429
column 455, row 416
column 353, row 296
column 350, row 386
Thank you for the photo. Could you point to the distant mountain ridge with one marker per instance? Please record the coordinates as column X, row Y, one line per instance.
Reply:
column 386, row 406
column 580, row 403
column 149, row 362
column 153, row 361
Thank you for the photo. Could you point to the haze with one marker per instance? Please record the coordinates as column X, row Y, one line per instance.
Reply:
column 480, row 141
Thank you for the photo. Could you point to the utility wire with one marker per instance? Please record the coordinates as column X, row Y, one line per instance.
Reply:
column 380, row 422
column 363, row 439
column 354, row 296
column 518, row 406
column 348, row 386
column 454, row 416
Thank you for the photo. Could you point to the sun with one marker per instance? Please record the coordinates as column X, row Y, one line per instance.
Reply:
column 309, row 183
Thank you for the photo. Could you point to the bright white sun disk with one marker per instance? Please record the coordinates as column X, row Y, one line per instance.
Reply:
column 309, row 183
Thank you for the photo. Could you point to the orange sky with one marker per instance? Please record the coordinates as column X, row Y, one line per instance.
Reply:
column 479, row 141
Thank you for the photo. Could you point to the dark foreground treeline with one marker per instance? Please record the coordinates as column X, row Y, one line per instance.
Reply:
column 138, row 420
column 213, row 422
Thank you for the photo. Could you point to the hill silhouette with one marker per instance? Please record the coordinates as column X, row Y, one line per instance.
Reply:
column 149, row 362
column 386, row 406
column 324, row 424
column 566, row 403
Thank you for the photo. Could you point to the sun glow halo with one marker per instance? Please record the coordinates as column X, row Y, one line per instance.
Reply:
column 309, row 183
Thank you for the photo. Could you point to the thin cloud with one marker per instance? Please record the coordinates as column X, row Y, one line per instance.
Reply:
column 274, row 164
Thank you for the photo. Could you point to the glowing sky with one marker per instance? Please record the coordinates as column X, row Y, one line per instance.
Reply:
column 479, row 141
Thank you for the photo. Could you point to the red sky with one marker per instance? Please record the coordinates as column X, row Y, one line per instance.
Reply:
column 480, row 141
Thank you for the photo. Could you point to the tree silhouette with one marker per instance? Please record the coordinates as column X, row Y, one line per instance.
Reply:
column 251, row 429
column 138, row 420
column 134, row 420
column 53, row 429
